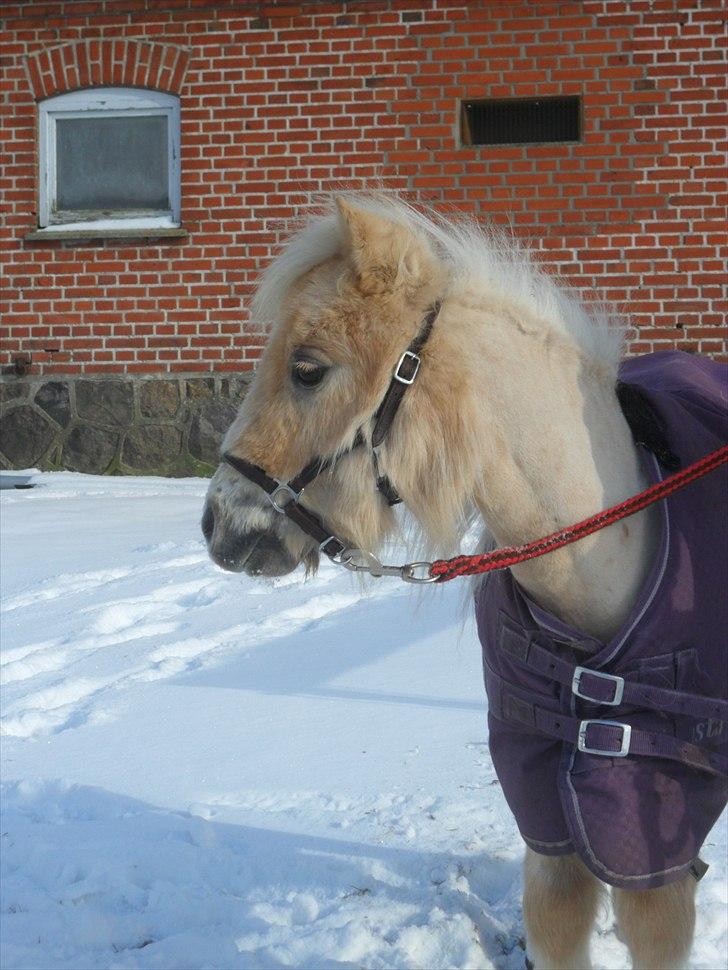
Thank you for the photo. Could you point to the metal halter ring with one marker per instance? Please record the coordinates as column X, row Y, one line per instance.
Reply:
column 283, row 489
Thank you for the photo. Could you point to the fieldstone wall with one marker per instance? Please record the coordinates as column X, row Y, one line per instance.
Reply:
column 156, row 426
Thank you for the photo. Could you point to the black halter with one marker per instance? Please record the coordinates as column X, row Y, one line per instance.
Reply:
column 285, row 496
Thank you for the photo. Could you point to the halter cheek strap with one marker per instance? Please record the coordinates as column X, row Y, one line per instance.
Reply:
column 285, row 496
column 405, row 374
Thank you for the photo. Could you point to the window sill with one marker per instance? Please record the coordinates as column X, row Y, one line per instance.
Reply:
column 69, row 232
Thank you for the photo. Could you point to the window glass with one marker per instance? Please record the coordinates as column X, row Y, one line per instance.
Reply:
column 116, row 163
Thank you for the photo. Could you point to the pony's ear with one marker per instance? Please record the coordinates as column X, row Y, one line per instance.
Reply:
column 385, row 254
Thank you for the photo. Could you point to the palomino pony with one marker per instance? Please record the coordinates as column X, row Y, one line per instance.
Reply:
column 513, row 416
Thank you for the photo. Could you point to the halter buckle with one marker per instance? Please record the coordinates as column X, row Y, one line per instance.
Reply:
column 283, row 489
column 410, row 358
column 626, row 729
column 336, row 555
column 617, row 683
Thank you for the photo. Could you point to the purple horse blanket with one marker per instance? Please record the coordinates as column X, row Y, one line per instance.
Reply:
column 619, row 751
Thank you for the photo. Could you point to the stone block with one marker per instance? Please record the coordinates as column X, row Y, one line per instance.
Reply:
column 11, row 390
column 151, row 446
column 55, row 399
column 200, row 387
column 25, row 436
column 207, row 430
column 105, row 402
column 158, row 399
column 235, row 388
column 88, row 449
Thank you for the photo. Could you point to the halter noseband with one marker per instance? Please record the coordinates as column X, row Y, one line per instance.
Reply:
column 285, row 497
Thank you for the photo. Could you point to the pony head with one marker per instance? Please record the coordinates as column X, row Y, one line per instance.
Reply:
column 345, row 299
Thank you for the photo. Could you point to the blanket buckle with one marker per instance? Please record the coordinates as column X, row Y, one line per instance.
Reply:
column 617, row 682
column 583, row 745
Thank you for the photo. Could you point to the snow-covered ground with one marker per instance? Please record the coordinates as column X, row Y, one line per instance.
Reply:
column 202, row 771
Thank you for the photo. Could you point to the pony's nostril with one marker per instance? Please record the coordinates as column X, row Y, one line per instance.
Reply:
column 208, row 522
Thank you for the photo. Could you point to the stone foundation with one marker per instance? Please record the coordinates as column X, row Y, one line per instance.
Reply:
column 102, row 426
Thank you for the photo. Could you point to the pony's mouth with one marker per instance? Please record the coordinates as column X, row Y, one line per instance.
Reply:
column 266, row 556
column 255, row 552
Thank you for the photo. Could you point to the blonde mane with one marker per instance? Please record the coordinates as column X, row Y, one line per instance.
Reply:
column 481, row 258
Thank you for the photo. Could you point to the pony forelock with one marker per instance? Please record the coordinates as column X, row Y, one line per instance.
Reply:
column 483, row 258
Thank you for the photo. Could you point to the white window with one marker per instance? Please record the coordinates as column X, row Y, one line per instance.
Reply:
column 109, row 158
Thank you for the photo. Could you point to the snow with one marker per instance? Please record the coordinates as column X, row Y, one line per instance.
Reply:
column 204, row 771
column 132, row 222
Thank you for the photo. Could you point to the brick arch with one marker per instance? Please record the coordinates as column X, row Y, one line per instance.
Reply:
column 107, row 63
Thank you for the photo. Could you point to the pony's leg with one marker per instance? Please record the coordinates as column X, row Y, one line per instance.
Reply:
column 560, row 899
column 657, row 924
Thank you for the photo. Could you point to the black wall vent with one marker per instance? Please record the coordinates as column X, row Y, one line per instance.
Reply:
column 521, row 121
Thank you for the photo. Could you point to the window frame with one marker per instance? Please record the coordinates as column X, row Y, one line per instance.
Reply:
column 105, row 103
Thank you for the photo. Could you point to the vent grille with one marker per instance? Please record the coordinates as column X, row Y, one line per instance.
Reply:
column 521, row 121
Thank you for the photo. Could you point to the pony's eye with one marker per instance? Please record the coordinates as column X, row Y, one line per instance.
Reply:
column 308, row 373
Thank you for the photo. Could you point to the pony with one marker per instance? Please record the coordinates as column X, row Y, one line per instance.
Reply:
column 513, row 418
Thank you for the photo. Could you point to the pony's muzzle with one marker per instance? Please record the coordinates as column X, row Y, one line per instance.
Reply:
column 254, row 551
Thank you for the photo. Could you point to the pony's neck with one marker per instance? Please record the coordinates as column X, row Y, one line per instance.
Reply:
column 562, row 451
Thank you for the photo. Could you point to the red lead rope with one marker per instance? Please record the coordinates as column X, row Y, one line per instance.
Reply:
column 445, row 569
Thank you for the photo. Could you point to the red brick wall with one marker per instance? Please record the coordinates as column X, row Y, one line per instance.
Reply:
column 280, row 102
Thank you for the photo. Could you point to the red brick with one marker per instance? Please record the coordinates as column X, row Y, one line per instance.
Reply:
column 274, row 114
